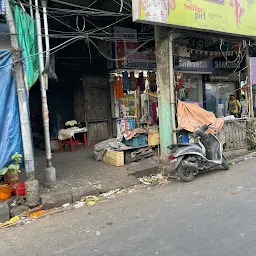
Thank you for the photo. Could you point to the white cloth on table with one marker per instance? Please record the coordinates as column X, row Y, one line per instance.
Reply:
column 65, row 134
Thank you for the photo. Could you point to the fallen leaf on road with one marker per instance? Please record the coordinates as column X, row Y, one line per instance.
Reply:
column 233, row 193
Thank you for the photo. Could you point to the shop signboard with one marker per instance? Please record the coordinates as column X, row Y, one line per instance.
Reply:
column 224, row 64
column 2, row 7
column 126, row 51
column 107, row 50
column 226, row 16
column 185, row 64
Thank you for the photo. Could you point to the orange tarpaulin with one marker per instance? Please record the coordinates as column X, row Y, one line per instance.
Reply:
column 191, row 116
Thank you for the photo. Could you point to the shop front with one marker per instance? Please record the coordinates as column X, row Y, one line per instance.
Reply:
column 223, row 82
column 134, row 101
column 189, row 78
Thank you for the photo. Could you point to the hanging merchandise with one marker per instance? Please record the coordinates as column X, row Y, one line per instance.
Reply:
column 147, row 84
column 244, row 86
column 182, row 94
column 152, row 81
column 147, row 79
column 141, row 82
column 190, row 89
column 144, row 108
column 126, row 81
column 133, row 81
column 154, row 112
column 128, row 108
column 179, row 81
column 118, row 87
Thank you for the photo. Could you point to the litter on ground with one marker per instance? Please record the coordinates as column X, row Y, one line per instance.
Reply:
column 157, row 179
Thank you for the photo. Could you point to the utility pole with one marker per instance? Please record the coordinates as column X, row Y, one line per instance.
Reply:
column 164, row 61
column 32, row 185
column 249, row 74
column 49, row 172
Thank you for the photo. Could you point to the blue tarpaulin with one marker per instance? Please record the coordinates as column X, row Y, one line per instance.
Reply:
column 10, row 133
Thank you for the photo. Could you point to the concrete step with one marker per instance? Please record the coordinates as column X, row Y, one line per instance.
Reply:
column 143, row 168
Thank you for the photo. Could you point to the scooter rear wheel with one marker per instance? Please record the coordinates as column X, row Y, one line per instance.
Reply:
column 185, row 174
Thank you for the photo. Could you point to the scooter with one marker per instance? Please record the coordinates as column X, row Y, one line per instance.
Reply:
column 189, row 159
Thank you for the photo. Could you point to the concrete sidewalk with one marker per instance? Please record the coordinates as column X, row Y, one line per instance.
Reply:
column 78, row 175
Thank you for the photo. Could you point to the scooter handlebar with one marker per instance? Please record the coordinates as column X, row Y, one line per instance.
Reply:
column 201, row 131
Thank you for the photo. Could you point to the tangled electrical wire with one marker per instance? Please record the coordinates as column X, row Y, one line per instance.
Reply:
column 99, row 33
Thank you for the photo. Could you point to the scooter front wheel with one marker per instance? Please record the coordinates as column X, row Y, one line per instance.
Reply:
column 185, row 174
column 225, row 163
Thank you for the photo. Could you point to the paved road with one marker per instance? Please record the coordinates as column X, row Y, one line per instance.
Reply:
column 213, row 215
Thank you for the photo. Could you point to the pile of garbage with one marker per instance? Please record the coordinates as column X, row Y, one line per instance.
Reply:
column 157, row 179
column 33, row 214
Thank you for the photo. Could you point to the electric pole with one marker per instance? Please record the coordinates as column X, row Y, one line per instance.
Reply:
column 49, row 171
column 32, row 185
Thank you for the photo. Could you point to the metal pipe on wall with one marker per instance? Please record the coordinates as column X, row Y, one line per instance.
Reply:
column 47, row 43
column 31, row 9
column 172, row 91
column 249, row 74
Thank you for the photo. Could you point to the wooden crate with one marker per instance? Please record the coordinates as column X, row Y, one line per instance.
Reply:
column 115, row 158
column 153, row 138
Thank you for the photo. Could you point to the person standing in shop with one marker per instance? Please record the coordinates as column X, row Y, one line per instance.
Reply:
column 234, row 106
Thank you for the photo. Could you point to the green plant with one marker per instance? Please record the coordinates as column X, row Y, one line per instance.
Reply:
column 14, row 166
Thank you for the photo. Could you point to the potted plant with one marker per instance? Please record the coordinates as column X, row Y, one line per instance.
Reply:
column 12, row 171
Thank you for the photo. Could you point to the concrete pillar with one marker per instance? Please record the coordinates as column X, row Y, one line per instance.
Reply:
column 164, row 71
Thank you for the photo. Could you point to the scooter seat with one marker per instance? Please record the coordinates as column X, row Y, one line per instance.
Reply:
column 179, row 145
